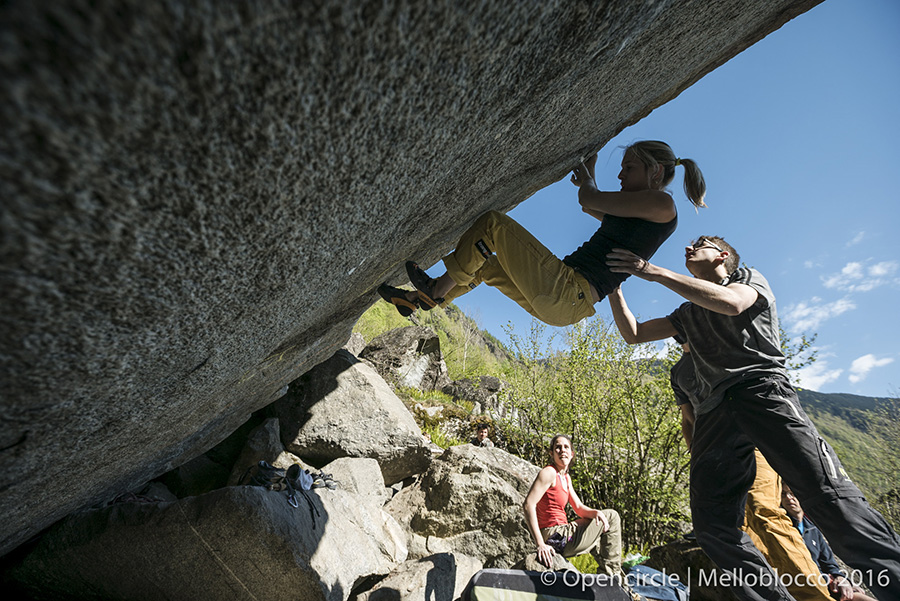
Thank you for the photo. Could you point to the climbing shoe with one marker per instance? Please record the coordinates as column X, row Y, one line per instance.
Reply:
column 424, row 285
column 323, row 480
column 397, row 297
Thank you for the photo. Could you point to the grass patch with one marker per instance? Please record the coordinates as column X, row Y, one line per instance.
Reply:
column 378, row 319
column 441, row 439
column 584, row 563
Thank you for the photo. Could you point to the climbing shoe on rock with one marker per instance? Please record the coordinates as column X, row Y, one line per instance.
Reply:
column 424, row 285
column 323, row 480
column 397, row 297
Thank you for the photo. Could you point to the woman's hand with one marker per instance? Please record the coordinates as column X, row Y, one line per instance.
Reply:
column 604, row 523
column 545, row 554
column 583, row 174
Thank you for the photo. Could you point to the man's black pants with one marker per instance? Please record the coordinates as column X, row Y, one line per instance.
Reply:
column 766, row 413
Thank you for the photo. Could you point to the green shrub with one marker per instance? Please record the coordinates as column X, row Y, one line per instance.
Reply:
column 584, row 563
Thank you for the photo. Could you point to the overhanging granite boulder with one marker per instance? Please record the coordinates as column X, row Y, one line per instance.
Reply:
column 200, row 198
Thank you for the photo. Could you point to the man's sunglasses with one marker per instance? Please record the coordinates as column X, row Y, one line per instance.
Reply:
column 704, row 243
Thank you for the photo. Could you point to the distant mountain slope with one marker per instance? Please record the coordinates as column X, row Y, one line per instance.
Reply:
column 468, row 350
column 851, row 407
column 847, row 422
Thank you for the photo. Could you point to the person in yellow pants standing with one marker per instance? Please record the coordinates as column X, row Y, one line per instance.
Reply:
column 773, row 533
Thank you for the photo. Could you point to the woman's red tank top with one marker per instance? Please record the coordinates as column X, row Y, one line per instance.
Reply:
column 551, row 509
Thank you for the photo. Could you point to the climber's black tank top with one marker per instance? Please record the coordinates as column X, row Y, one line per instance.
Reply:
column 640, row 236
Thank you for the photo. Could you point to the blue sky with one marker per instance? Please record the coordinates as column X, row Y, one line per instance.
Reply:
column 799, row 140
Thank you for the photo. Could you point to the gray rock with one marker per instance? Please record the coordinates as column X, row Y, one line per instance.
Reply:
column 200, row 198
column 263, row 444
column 688, row 561
column 234, row 543
column 158, row 490
column 197, row 476
column 286, row 460
column 410, row 357
column 470, row 501
column 355, row 344
column 533, row 564
column 437, row 577
column 430, row 411
column 360, row 476
column 343, row 408
column 482, row 391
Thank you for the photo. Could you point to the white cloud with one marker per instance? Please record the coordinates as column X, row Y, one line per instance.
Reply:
column 806, row 316
column 816, row 375
column 857, row 239
column 857, row 276
column 861, row 367
column 883, row 269
column 853, row 270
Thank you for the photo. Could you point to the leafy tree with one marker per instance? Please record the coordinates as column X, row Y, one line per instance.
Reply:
column 798, row 353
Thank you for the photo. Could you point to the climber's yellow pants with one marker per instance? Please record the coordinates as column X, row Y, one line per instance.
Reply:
column 521, row 268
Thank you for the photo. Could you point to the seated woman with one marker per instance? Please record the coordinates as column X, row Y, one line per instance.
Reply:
column 501, row 253
column 838, row 585
column 596, row 531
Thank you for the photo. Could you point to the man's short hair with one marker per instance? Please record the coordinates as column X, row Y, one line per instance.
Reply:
column 734, row 259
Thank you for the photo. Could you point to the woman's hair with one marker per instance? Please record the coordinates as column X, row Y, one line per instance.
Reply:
column 652, row 153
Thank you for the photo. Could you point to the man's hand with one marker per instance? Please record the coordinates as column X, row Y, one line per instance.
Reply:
column 545, row 554
column 839, row 584
column 621, row 260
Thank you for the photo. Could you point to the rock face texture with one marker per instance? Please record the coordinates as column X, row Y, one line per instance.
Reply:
column 409, row 356
column 440, row 576
column 482, row 391
column 687, row 560
column 200, row 198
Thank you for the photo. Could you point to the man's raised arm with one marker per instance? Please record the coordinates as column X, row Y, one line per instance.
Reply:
column 732, row 299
